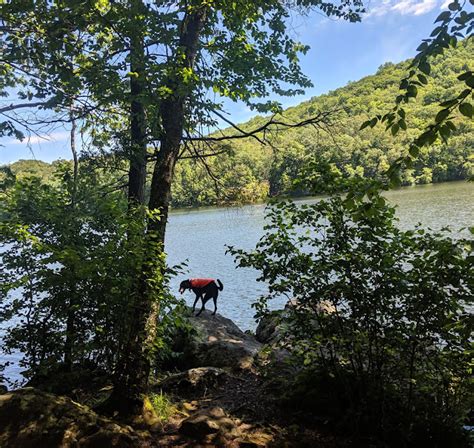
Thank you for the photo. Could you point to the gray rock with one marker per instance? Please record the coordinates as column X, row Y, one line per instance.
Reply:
column 217, row 342
column 268, row 328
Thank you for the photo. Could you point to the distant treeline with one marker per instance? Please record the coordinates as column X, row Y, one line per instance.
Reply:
column 250, row 172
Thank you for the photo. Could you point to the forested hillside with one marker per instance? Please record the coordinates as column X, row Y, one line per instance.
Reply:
column 25, row 168
column 249, row 171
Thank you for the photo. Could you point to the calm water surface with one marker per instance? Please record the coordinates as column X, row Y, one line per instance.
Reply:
column 200, row 236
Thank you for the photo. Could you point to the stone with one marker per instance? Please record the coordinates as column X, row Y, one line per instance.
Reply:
column 30, row 418
column 211, row 423
column 254, row 440
column 216, row 341
column 271, row 325
column 202, row 423
column 268, row 327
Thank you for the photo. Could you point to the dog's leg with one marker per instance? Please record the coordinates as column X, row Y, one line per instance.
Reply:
column 194, row 304
column 202, row 308
column 215, row 305
column 204, row 299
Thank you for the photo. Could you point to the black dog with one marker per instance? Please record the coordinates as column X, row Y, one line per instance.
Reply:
column 205, row 289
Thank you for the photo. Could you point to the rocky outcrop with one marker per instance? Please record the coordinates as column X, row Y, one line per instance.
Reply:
column 268, row 328
column 208, row 421
column 272, row 325
column 30, row 418
column 216, row 341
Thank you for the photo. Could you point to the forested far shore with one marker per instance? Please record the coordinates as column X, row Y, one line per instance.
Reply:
column 249, row 171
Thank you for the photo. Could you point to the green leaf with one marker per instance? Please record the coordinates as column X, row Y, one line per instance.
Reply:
column 445, row 132
column 448, row 103
column 442, row 115
column 443, row 17
column 365, row 124
column 414, row 151
column 422, row 47
column 451, row 125
column 422, row 79
column 464, row 76
column 424, row 138
column 412, row 91
column 470, row 81
column 425, row 67
column 454, row 6
column 437, row 30
column 466, row 109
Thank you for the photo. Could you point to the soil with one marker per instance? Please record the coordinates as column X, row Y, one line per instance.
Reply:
column 248, row 399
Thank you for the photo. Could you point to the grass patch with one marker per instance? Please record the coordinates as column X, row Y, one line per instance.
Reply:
column 163, row 406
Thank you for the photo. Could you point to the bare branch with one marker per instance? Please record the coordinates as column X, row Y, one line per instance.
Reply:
column 197, row 155
column 222, row 117
column 321, row 117
column 23, row 105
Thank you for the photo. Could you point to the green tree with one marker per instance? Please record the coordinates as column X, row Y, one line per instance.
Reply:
column 65, row 264
column 381, row 321
column 150, row 66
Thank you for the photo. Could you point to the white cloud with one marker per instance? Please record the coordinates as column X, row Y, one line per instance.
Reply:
column 403, row 7
column 413, row 7
column 445, row 4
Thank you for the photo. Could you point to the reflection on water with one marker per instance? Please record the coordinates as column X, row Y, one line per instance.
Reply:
column 201, row 235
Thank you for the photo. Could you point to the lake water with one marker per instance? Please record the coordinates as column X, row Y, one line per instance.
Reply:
column 201, row 236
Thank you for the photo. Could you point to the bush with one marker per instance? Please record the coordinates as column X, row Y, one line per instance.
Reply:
column 392, row 358
column 70, row 252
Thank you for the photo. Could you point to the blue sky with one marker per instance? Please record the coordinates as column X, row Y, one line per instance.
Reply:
column 340, row 52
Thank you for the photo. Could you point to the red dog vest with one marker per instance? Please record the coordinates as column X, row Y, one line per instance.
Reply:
column 200, row 282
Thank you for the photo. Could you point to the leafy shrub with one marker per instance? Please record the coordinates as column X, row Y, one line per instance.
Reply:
column 70, row 253
column 381, row 323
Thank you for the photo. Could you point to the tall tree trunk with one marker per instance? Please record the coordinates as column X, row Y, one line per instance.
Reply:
column 137, row 149
column 131, row 376
column 172, row 112
column 134, row 369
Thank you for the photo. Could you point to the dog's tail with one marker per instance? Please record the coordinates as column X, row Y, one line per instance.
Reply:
column 220, row 285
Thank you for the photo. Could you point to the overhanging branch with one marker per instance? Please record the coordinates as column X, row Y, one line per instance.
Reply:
column 11, row 107
column 271, row 124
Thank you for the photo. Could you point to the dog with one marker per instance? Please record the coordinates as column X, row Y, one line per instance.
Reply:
column 205, row 289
